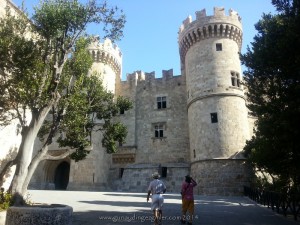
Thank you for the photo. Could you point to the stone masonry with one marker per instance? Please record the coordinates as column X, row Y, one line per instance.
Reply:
column 194, row 123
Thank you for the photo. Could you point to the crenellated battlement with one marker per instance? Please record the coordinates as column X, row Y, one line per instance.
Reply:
column 107, row 53
column 139, row 75
column 204, row 27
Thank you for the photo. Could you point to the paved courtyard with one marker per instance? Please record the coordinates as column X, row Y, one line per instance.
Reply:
column 116, row 208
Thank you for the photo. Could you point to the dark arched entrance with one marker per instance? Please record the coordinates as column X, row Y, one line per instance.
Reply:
column 61, row 177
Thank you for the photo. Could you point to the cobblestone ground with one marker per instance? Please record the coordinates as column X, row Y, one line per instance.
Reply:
column 117, row 208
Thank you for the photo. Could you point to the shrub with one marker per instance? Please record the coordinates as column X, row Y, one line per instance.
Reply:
column 5, row 200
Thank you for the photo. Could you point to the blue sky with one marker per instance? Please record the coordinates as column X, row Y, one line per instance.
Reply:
column 150, row 34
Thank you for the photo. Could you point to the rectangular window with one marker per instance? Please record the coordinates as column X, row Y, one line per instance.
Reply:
column 235, row 79
column 214, row 117
column 218, row 47
column 159, row 131
column 161, row 102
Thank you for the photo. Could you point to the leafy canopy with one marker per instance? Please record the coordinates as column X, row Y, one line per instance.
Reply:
column 44, row 64
column 273, row 90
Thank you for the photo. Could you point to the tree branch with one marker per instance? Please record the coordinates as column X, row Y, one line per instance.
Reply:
column 19, row 116
column 5, row 169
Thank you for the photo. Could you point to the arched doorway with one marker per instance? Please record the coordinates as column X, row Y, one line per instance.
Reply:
column 61, row 176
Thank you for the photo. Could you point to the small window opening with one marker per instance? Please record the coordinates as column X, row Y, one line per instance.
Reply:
column 214, row 117
column 218, row 47
column 121, row 171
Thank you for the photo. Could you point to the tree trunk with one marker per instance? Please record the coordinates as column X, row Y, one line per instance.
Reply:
column 24, row 156
column 33, row 165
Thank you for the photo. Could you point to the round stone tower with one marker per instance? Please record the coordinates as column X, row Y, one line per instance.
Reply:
column 107, row 62
column 217, row 114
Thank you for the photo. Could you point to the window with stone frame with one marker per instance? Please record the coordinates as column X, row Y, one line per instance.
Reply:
column 158, row 130
column 161, row 102
column 235, row 79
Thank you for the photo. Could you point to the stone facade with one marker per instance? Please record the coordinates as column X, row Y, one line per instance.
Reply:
column 221, row 176
column 194, row 123
column 217, row 113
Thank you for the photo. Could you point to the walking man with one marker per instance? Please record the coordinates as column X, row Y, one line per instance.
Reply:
column 156, row 189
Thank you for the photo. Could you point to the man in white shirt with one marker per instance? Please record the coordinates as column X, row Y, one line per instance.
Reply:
column 156, row 189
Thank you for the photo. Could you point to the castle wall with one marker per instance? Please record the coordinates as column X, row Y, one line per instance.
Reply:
column 143, row 153
column 222, row 177
column 7, row 3
column 144, row 89
column 172, row 147
column 136, row 177
column 128, row 89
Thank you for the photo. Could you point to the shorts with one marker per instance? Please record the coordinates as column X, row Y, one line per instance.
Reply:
column 157, row 202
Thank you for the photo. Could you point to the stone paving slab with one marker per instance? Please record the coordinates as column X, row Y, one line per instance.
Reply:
column 118, row 208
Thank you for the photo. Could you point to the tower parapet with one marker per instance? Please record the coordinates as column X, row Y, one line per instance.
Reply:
column 107, row 62
column 107, row 53
column 204, row 27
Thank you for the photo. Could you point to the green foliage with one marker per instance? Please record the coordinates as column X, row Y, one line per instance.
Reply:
column 114, row 132
column 20, row 64
column 44, row 67
column 124, row 103
column 273, row 90
column 83, row 101
column 65, row 18
column 5, row 200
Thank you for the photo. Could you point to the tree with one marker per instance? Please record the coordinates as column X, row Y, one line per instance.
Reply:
column 44, row 73
column 272, row 79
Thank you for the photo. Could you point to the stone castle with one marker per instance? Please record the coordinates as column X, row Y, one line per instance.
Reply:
column 195, row 123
